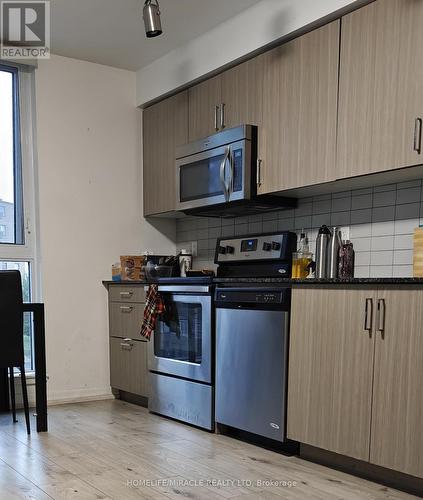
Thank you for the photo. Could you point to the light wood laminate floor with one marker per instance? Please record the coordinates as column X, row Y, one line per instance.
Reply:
column 105, row 450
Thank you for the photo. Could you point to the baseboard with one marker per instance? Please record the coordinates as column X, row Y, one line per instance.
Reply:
column 80, row 399
column 387, row 477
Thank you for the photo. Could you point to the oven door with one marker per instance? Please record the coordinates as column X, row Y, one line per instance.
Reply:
column 219, row 175
column 182, row 341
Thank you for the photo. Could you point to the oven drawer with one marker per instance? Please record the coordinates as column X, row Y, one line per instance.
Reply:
column 128, row 366
column 126, row 319
column 127, row 293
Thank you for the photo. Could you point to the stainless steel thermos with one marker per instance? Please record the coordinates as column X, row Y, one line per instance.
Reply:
column 322, row 244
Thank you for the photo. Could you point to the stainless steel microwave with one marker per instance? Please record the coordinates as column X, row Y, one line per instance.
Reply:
column 217, row 176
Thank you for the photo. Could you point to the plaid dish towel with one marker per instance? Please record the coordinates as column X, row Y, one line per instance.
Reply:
column 153, row 307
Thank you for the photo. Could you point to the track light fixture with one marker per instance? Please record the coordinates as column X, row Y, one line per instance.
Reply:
column 151, row 16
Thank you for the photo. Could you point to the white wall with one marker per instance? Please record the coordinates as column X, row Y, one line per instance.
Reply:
column 256, row 27
column 89, row 151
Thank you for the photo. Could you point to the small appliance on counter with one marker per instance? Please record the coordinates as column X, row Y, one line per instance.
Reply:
column 334, row 257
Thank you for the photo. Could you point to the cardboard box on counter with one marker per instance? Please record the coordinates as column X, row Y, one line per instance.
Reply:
column 132, row 267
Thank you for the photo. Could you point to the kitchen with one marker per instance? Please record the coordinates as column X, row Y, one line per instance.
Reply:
column 254, row 378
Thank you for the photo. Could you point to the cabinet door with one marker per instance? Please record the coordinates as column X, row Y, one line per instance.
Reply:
column 242, row 94
column 397, row 419
column 299, row 111
column 128, row 366
column 204, row 119
column 330, row 370
column 165, row 126
column 381, row 87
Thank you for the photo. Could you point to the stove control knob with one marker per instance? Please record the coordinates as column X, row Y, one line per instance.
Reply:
column 267, row 247
column 230, row 249
column 221, row 250
column 276, row 245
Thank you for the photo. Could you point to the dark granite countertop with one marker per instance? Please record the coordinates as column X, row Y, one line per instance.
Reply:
column 275, row 281
column 325, row 281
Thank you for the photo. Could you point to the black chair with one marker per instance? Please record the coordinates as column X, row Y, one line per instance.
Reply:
column 11, row 335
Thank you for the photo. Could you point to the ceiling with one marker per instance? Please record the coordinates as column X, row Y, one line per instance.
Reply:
column 111, row 32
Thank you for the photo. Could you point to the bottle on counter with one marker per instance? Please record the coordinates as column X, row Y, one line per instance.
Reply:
column 302, row 258
column 335, row 243
column 322, row 244
column 346, row 260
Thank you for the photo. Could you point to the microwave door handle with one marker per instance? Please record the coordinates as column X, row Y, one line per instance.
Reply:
column 232, row 170
column 222, row 174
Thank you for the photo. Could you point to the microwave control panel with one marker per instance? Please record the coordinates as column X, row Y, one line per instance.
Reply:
column 264, row 247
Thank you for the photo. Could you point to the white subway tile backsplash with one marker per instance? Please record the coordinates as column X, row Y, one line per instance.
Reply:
column 406, row 226
column 361, row 201
column 362, row 244
column 362, row 258
column 380, row 220
column 381, row 271
column 362, row 271
column 403, row 242
column 403, row 257
column 381, row 258
column 407, row 211
column 360, row 231
column 383, row 228
column 409, row 195
column 382, row 243
column 402, row 272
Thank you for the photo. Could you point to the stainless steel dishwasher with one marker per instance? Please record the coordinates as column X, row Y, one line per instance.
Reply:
column 252, row 326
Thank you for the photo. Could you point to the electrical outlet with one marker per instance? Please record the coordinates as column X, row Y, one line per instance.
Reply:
column 194, row 248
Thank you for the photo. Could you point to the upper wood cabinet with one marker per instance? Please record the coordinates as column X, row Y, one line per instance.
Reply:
column 298, row 145
column 242, row 94
column 356, row 372
column 381, row 88
column 330, row 370
column 165, row 126
column 397, row 413
column 204, row 108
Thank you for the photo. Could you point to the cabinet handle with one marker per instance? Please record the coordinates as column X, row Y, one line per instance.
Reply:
column 368, row 317
column 381, row 313
column 222, row 116
column 126, row 294
column 126, row 309
column 126, row 345
column 216, row 112
column 418, row 135
column 258, row 174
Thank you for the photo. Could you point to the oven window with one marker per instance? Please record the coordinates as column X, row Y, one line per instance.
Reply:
column 178, row 332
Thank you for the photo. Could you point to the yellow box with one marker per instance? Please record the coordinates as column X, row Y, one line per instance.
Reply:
column 132, row 267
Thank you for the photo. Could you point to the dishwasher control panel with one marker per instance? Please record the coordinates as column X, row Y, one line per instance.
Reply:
column 238, row 296
column 263, row 247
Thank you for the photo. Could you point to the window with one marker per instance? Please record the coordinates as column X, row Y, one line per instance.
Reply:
column 18, row 242
column 10, row 157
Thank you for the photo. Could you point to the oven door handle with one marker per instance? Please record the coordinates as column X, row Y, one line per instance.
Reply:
column 226, row 187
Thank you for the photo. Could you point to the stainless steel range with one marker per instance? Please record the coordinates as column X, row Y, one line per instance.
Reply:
column 181, row 355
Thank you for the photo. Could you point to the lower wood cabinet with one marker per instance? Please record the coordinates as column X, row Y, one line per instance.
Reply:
column 128, row 365
column 128, row 350
column 356, row 371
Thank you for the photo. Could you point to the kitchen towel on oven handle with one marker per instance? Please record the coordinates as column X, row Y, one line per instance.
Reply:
column 154, row 306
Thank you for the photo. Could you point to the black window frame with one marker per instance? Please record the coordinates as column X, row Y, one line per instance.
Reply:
column 17, row 159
